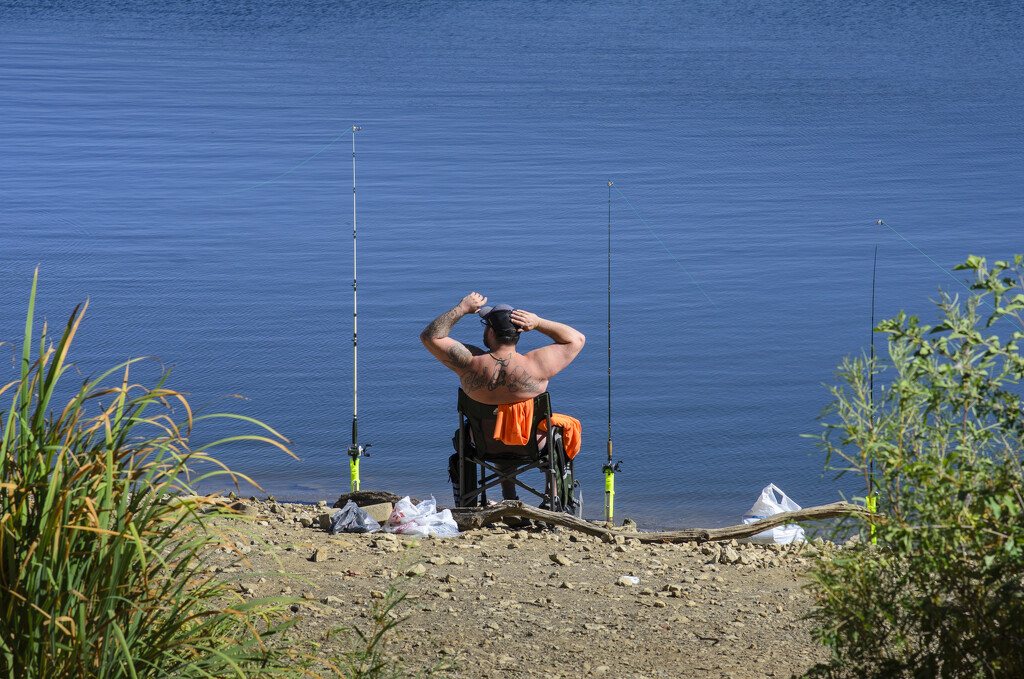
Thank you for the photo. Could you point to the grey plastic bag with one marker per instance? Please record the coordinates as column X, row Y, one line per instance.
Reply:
column 352, row 519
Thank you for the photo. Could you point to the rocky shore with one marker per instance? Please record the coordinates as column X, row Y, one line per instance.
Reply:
column 503, row 601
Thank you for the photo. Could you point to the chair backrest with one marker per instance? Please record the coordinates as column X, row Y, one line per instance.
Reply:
column 481, row 418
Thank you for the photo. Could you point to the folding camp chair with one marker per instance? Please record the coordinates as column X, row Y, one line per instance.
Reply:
column 499, row 462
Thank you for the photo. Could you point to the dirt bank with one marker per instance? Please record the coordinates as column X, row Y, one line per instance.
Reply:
column 500, row 602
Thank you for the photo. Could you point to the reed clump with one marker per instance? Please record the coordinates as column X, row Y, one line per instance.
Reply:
column 101, row 576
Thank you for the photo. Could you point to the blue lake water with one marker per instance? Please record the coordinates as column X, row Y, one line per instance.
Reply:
column 187, row 168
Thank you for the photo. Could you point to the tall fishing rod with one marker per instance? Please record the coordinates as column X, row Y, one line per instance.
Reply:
column 871, row 503
column 609, row 469
column 355, row 451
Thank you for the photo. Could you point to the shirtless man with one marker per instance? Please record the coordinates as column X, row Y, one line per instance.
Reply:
column 499, row 374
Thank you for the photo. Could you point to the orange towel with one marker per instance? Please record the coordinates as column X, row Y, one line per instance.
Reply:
column 512, row 426
column 572, row 432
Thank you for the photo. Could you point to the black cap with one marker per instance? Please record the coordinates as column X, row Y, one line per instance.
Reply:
column 499, row 318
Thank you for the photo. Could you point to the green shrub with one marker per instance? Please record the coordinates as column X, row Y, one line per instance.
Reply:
column 101, row 575
column 940, row 446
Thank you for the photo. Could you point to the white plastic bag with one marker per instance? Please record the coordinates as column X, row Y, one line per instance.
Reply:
column 421, row 520
column 767, row 505
column 352, row 519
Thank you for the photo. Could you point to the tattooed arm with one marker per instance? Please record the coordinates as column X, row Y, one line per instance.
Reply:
column 452, row 353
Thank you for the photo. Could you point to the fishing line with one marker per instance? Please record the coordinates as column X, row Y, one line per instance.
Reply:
column 609, row 469
column 296, row 167
column 644, row 222
column 945, row 271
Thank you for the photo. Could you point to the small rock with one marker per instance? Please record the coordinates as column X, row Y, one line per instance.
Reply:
column 318, row 556
column 560, row 559
column 418, row 569
column 729, row 555
column 244, row 508
column 331, row 601
column 380, row 512
column 627, row 581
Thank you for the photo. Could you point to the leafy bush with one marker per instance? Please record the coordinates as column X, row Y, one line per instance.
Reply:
column 941, row 593
column 100, row 574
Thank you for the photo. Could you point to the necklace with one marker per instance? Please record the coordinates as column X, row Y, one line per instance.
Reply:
column 502, row 361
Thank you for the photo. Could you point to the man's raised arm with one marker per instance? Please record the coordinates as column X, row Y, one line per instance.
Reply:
column 452, row 353
column 552, row 359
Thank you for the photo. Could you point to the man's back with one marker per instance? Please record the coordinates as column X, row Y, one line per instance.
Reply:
column 496, row 379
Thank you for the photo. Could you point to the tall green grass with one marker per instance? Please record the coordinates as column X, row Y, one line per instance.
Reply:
column 101, row 575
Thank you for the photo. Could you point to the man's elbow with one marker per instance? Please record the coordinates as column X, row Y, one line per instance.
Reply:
column 579, row 340
column 425, row 338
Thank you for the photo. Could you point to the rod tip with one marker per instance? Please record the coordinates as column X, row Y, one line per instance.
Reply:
column 880, row 222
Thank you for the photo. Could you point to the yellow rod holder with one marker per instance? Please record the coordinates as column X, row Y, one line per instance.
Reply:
column 609, row 494
column 354, row 469
column 872, row 506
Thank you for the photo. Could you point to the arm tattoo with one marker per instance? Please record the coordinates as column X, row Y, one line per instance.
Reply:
column 458, row 357
column 442, row 325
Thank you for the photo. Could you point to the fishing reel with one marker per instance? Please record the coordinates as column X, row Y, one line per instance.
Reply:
column 614, row 468
column 357, row 451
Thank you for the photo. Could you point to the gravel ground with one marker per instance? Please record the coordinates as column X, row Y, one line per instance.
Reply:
column 504, row 602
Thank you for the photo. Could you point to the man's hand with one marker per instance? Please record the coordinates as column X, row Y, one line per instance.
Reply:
column 472, row 302
column 524, row 319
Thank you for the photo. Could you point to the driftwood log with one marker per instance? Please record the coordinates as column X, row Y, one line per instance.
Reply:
column 471, row 518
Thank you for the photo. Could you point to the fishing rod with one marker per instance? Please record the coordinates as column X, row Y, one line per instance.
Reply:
column 609, row 469
column 871, row 503
column 355, row 451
